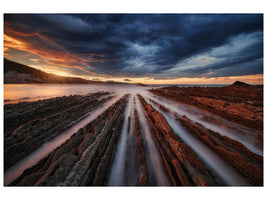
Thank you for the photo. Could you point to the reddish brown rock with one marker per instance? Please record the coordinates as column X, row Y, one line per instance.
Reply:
column 181, row 164
column 84, row 159
column 240, row 102
column 236, row 154
column 143, row 179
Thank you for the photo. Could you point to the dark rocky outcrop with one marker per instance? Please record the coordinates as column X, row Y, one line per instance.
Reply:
column 42, row 123
column 240, row 84
column 86, row 158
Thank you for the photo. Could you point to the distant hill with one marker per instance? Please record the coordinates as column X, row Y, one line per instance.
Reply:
column 240, row 84
column 18, row 73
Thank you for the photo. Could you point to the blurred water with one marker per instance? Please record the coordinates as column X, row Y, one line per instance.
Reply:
column 156, row 171
column 238, row 132
column 117, row 170
column 16, row 170
column 14, row 93
column 219, row 166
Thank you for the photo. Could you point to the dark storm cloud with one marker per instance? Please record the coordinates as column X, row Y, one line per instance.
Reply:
column 244, row 61
column 145, row 45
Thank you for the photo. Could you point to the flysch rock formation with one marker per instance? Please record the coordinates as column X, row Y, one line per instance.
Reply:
column 29, row 124
column 86, row 158
column 239, row 102
column 249, row 164
column 140, row 139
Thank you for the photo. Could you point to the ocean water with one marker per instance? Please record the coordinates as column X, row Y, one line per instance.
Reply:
column 14, row 93
column 30, row 92
column 193, row 85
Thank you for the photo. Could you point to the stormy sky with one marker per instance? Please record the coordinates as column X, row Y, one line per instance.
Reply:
column 132, row 46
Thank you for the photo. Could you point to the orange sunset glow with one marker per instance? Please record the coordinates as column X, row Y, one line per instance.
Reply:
column 162, row 100
column 44, row 49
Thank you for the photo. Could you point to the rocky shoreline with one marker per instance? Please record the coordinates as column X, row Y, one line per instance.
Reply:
column 233, row 152
column 84, row 158
column 29, row 124
column 138, row 139
column 240, row 102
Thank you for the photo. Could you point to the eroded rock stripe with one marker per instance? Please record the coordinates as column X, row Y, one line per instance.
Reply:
column 143, row 177
column 86, row 158
column 237, row 103
column 28, row 137
column 249, row 164
column 181, row 163
column 236, row 154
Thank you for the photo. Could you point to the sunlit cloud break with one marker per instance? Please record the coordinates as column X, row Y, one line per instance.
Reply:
column 147, row 48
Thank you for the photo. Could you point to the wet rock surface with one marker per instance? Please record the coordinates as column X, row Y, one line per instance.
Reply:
column 143, row 177
column 85, row 158
column 21, row 113
column 135, row 139
column 182, row 165
column 30, row 124
column 240, row 102
column 249, row 164
column 236, row 154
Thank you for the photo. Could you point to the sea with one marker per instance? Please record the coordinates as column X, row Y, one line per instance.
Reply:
column 14, row 93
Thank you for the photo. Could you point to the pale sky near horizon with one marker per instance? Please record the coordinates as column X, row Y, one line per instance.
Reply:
column 146, row 48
